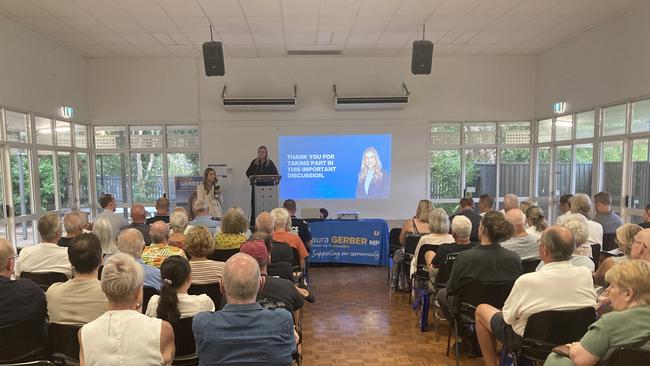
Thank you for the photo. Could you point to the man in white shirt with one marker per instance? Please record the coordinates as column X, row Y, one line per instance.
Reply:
column 107, row 201
column 557, row 286
column 522, row 242
column 47, row 256
column 565, row 208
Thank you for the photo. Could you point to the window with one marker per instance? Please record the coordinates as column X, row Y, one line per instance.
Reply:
column 146, row 177
column 445, row 170
column 514, row 173
column 107, row 137
column 515, row 133
column 20, row 181
column 641, row 116
column 80, row 136
column 563, row 128
column 614, row 120
column 544, row 131
column 481, row 171
column 16, row 125
column 148, row 137
column 65, row 180
column 84, row 178
column 181, row 164
column 640, row 174
column 585, row 125
column 543, row 176
column 46, row 180
column 445, row 134
column 43, row 131
column 480, row 133
column 182, row 137
column 584, row 168
column 613, row 170
column 110, row 168
column 63, row 133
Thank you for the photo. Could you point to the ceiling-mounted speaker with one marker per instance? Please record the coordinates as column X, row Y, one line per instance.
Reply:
column 213, row 58
column 422, row 57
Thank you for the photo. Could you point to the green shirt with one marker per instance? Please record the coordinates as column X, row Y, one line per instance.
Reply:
column 619, row 328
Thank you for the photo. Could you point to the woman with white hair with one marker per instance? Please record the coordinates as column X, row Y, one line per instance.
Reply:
column 123, row 335
column 577, row 225
column 178, row 223
column 439, row 228
column 581, row 206
column 103, row 229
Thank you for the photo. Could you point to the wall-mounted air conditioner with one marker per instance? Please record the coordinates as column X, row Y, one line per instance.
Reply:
column 260, row 103
column 378, row 102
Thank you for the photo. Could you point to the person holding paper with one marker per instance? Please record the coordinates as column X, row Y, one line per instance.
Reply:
column 373, row 181
column 210, row 192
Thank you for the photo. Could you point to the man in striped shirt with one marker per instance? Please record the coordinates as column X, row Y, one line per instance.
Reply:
column 159, row 249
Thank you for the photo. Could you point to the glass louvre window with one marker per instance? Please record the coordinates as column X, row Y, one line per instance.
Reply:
column 63, row 133
column 43, row 131
column 16, row 125
column 585, row 124
column 614, row 120
column 80, row 136
column 110, row 137
column 515, row 133
column 563, row 128
column 641, row 116
column 480, row 133
column 445, row 134
column 148, row 137
column 182, row 137
column 544, row 130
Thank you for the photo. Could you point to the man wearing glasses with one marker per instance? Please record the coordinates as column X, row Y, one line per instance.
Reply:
column 640, row 246
column 21, row 300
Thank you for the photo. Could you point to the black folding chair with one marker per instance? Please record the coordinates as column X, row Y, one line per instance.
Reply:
column 412, row 241
column 609, row 242
column 31, row 363
column 393, row 245
column 595, row 254
column 44, row 279
column 420, row 284
column 147, row 293
column 222, row 255
column 439, row 283
column 22, row 341
column 185, row 345
column 211, row 289
column 627, row 356
column 530, row 264
column 472, row 295
column 549, row 329
column 63, row 343
column 281, row 252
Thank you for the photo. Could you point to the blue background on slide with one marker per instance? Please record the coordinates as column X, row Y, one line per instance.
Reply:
column 339, row 184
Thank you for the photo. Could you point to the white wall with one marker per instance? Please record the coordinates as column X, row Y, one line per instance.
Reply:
column 604, row 65
column 460, row 88
column 37, row 75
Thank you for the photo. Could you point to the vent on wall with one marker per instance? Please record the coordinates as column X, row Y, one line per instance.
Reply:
column 378, row 102
column 260, row 103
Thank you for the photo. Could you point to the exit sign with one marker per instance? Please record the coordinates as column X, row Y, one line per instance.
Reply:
column 67, row 112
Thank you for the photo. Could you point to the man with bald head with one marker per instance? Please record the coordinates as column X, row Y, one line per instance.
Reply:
column 522, row 242
column 139, row 222
column 131, row 242
column 640, row 246
column 264, row 222
column 244, row 333
column 559, row 285
column 162, row 211
column 73, row 227
column 21, row 301
column 159, row 249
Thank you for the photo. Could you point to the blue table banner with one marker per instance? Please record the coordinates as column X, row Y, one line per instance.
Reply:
column 349, row 241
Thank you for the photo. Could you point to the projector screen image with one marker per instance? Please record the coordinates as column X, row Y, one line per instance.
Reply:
column 335, row 166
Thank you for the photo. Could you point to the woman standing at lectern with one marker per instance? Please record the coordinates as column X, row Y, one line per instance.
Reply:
column 261, row 165
column 210, row 192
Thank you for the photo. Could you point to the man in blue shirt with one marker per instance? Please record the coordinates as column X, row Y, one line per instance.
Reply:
column 131, row 242
column 244, row 333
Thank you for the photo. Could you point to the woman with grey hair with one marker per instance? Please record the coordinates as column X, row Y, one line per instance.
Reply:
column 178, row 223
column 103, row 229
column 439, row 228
column 123, row 335
column 581, row 206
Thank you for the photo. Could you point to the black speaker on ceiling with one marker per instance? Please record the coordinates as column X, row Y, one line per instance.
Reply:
column 213, row 58
column 422, row 57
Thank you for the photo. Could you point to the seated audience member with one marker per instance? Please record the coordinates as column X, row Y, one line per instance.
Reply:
column 581, row 206
column 488, row 262
column 646, row 217
column 123, row 335
column 628, row 325
column 79, row 300
column 439, row 228
column 640, row 246
column 73, row 228
column 139, row 222
column 173, row 302
column 86, row 226
column 418, row 224
column 244, row 333
column 131, row 242
column 278, row 291
column 159, row 249
column 467, row 210
column 178, row 224
column 198, row 245
column 558, row 286
column 605, row 216
column 47, row 256
column 565, row 208
column 536, row 221
column 233, row 230
column 282, row 235
column 577, row 225
column 280, row 261
column 485, row 204
column 524, row 205
column 324, row 214
column 107, row 202
column 510, row 201
column 21, row 301
column 461, row 227
column 162, row 211
column 299, row 226
column 522, row 243
column 104, row 232
column 202, row 216
column 624, row 237
column 265, row 223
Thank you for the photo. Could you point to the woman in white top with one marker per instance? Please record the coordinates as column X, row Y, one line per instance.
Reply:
column 174, row 302
column 439, row 228
column 536, row 221
column 123, row 335
column 210, row 192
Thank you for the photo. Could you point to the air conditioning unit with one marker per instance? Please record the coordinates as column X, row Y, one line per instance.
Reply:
column 379, row 102
column 260, row 103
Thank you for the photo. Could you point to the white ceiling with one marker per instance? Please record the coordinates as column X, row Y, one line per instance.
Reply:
column 268, row 28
